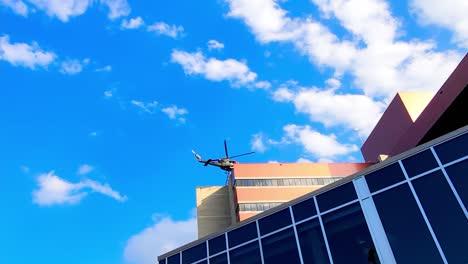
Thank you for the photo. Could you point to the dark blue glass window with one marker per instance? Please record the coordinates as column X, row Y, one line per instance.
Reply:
column 163, row 261
column 348, row 236
column 404, row 225
column 445, row 215
column 313, row 247
column 242, row 234
column 304, row 210
column 385, row 177
column 453, row 149
column 217, row 244
column 175, row 259
column 194, row 253
column 458, row 174
column 337, row 196
column 281, row 248
column 275, row 221
column 220, row 259
column 420, row 163
column 203, row 262
column 247, row 254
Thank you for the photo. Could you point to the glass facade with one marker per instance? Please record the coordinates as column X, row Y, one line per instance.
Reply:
column 410, row 211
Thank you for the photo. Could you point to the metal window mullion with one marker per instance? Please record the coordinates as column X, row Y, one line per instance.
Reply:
column 372, row 218
column 207, row 252
column 296, row 236
column 259, row 241
column 180, row 257
column 227, row 248
column 323, row 231
column 423, row 213
column 450, row 183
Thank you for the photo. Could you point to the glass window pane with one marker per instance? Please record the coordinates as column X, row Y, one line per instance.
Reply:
column 420, row 163
column 337, row 196
column 458, row 174
column 163, row 261
column 194, row 253
column 348, row 236
column 281, row 248
column 313, row 247
column 445, row 215
column 384, row 177
column 274, row 221
column 247, row 254
column 220, row 259
column 406, row 230
column 217, row 244
column 304, row 210
column 453, row 149
column 242, row 234
column 175, row 259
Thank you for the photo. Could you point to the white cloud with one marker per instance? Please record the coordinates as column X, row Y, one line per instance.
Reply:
column 17, row 6
column 263, row 85
column 317, row 144
column 133, row 23
column 162, row 28
column 174, row 112
column 108, row 94
column 72, row 67
column 257, row 143
column 63, row 9
column 303, row 160
column 147, row 107
column 53, row 190
column 106, row 68
column 450, row 14
column 85, row 169
column 215, row 45
column 23, row 54
column 379, row 63
column 352, row 111
column 234, row 71
column 164, row 235
column 117, row 8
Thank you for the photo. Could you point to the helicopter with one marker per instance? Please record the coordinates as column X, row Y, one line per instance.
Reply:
column 225, row 164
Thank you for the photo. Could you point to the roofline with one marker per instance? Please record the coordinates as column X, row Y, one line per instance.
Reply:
column 330, row 186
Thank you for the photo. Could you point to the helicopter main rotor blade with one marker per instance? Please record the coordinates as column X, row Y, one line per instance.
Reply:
column 225, row 149
column 248, row 153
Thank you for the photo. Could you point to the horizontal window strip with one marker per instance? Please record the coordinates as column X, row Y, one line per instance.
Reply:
column 256, row 207
column 287, row 181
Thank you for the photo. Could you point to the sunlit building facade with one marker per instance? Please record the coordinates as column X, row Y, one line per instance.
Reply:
column 407, row 204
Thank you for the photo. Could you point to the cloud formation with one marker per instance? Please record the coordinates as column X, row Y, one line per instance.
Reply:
column 25, row 55
column 450, row 14
column 164, row 235
column 257, row 143
column 85, row 168
column 378, row 61
column 317, row 144
column 213, row 69
column 17, row 6
column 53, row 190
column 72, row 67
column 66, row 9
column 174, row 112
column 133, row 23
column 162, row 28
column 215, row 45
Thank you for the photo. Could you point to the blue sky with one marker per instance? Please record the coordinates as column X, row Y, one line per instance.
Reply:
column 102, row 102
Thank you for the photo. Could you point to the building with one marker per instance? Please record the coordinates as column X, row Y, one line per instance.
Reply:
column 409, row 207
column 255, row 187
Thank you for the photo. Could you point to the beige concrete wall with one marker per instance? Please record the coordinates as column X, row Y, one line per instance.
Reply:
column 213, row 209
